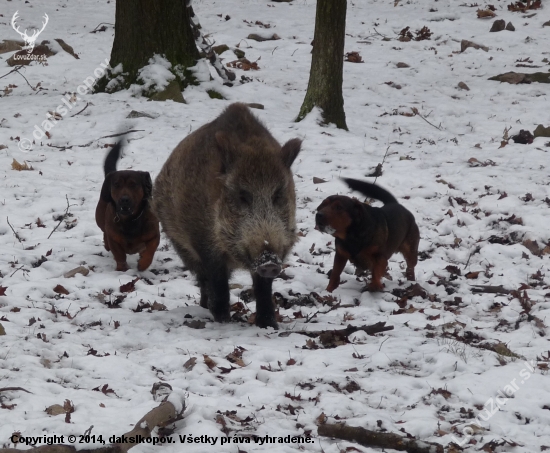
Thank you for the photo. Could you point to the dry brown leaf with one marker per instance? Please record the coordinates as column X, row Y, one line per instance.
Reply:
column 354, row 57
column 60, row 290
column 20, row 167
column 532, row 246
column 157, row 306
column 481, row 14
column 322, row 419
column 244, row 64
column 190, row 364
column 209, row 362
column 129, row 287
column 55, row 409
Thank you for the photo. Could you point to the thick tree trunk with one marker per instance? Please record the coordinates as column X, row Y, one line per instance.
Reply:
column 144, row 28
column 327, row 63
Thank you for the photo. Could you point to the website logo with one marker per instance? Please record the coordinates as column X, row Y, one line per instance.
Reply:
column 29, row 40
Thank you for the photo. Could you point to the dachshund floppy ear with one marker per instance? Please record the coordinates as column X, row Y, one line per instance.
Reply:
column 106, row 189
column 147, row 185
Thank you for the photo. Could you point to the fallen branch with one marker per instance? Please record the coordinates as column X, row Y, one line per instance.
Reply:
column 62, row 148
column 331, row 338
column 10, row 389
column 160, row 416
column 18, row 269
column 118, row 135
column 62, row 217
column 416, row 112
column 13, row 70
column 474, row 251
column 369, row 438
column 490, row 289
column 17, row 68
column 379, row 166
column 16, row 235
column 87, row 104
column 370, row 330
column 95, row 30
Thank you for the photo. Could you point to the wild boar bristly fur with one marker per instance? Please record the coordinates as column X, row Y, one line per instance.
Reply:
column 225, row 198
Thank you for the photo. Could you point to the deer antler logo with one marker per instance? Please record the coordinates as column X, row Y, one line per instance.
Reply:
column 29, row 40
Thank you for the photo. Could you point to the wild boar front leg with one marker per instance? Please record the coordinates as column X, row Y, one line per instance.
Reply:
column 265, row 309
column 217, row 292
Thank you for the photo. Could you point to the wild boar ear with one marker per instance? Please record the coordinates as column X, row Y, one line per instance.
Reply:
column 290, row 150
column 226, row 151
column 147, row 184
column 105, row 194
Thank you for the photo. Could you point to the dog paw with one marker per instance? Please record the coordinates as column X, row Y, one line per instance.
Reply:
column 332, row 286
column 143, row 265
column 376, row 287
column 122, row 267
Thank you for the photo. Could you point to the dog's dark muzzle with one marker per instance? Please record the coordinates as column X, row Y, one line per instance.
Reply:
column 125, row 206
column 320, row 221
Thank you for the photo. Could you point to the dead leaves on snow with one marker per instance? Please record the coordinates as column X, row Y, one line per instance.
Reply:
column 57, row 409
column 523, row 7
column 244, row 64
column 21, row 167
column 485, row 13
column 59, row 289
column 353, row 57
column 423, row 34
column 473, row 162
column 535, row 248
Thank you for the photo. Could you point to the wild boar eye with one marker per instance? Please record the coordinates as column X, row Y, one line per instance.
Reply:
column 245, row 197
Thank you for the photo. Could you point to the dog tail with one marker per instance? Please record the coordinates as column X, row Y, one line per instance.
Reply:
column 112, row 158
column 371, row 190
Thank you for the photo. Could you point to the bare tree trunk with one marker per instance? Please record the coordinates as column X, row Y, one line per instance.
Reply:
column 144, row 28
column 327, row 64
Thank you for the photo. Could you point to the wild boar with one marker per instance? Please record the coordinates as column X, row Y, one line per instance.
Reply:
column 225, row 198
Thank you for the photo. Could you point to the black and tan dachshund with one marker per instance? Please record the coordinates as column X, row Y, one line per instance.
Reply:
column 124, row 213
column 368, row 236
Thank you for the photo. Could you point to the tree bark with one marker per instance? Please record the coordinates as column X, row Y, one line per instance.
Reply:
column 144, row 28
column 327, row 63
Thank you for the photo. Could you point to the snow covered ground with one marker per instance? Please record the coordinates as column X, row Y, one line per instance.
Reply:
column 459, row 366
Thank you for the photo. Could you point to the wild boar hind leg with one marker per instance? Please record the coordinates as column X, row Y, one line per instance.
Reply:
column 265, row 310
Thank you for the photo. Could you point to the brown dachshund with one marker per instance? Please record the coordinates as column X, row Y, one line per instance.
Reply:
column 368, row 236
column 124, row 214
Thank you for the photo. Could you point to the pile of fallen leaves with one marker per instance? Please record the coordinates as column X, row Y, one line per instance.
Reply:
column 489, row 12
column 523, row 7
column 424, row 33
column 20, row 167
column 354, row 57
column 244, row 64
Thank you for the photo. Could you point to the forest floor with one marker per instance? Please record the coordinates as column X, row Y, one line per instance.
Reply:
column 462, row 367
